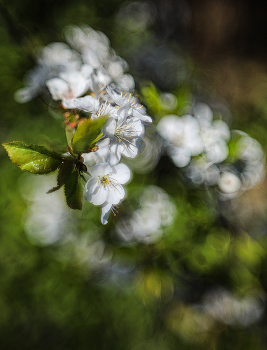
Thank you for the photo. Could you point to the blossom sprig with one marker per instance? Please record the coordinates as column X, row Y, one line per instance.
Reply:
column 102, row 122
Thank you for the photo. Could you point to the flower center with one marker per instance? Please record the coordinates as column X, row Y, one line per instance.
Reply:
column 125, row 131
column 105, row 180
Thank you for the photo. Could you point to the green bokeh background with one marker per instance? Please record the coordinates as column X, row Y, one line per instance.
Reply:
column 51, row 303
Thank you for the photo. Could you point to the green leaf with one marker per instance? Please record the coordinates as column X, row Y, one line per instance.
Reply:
column 70, row 132
column 86, row 134
column 74, row 191
column 33, row 158
column 151, row 97
column 64, row 173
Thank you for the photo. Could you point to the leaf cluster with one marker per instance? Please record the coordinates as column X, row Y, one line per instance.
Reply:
column 40, row 160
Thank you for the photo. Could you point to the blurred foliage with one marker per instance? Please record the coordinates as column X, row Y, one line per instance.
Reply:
column 151, row 295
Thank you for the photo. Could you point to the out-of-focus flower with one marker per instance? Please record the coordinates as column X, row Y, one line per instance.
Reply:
column 136, row 16
column 87, row 103
column 199, row 171
column 48, row 220
column 182, row 136
column 252, row 156
column 215, row 137
column 94, row 45
column 214, row 133
column 95, row 50
column 146, row 224
column 52, row 59
column 229, row 182
column 224, row 307
column 68, row 86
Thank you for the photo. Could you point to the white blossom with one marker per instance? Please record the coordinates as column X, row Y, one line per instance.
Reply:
column 215, row 136
column 93, row 105
column 59, row 57
column 146, row 224
column 182, row 136
column 201, row 172
column 68, row 86
column 229, row 182
column 137, row 110
column 105, row 186
column 123, row 133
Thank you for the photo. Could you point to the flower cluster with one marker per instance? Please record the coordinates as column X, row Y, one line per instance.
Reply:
column 199, row 144
column 87, row 62
column 102, row 115
column 87, row 84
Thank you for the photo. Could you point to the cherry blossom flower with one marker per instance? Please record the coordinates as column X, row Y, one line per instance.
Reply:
column 182, row 136
column 69, row 85
column 123, row 133
column 105, row 186
column 157, row 211
column 137, row 110
column 229, row 183
column 93, row 105
column 52, row 59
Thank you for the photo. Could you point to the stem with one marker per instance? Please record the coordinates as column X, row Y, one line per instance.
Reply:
column 98, row 138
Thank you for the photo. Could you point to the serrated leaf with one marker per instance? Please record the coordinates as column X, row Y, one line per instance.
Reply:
column 64, row 173
column 33, row 158
column 74, row 191
column 86, row 133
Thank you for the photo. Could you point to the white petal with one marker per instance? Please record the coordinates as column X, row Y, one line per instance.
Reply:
column 123, row 113
column 170, row 127
column 25, row 94
column 100, row 169
column 222, row 129
column 90, row 57
column 87, row 104
column 180, row 156
column 130, row 150
column 109, row 128
column 115, row 153
column 134, row 127
column 115, row 193
column 78, row 84
column 94, row 193
column 121, row 173
column 98, row 196
column 117, row 98
column 229, row 182
column 142, row 117
column 203, row 112
column 87, row 71
column 217, row 152
column 58, row 88
column 68, row 103
column 106, row 207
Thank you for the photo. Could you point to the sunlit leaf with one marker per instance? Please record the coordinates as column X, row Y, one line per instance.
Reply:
column 33, row 158
column 151, row 98
column 86, row 133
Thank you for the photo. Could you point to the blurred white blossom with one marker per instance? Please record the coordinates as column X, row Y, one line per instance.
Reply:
column 157, row 210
